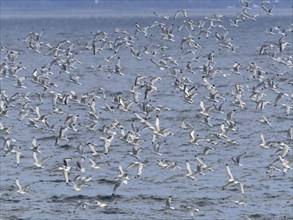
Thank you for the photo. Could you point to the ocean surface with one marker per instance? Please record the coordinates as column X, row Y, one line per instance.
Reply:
column 168, row 81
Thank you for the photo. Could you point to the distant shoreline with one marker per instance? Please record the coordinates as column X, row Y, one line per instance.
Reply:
column 130, row 13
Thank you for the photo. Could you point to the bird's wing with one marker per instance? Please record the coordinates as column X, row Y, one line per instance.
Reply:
column 35, row 157
column 139, row 169
column 116, row 186
column 242, row 188
column 187, row 166
column 201, row 105
column 168, row 202
column 200, row 161
column 191, row 134
column 65, row 172
column 121, row 171
column 262, row 138
column 26, row 187
column 229, row 173
column 93, row 162
column 157, row 123
column 34, row 142
column 18, row 184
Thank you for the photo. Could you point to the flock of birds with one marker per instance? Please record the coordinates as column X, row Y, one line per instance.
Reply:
column 50, row 111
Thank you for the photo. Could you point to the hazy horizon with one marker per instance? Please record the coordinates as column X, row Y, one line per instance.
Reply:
column 45, row 5
column 125, row 7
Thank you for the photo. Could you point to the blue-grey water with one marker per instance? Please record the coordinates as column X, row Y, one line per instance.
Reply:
column 266, row 196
